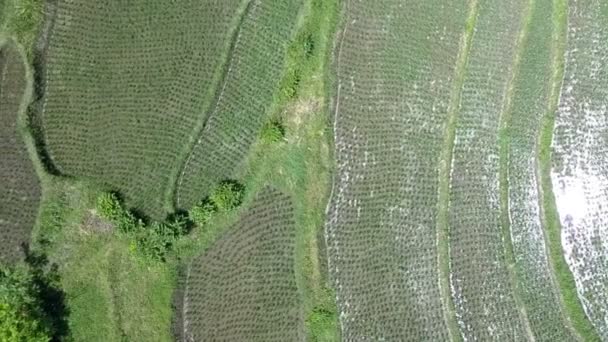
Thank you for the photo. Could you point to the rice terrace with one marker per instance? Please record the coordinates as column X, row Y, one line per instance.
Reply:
column 303, row 170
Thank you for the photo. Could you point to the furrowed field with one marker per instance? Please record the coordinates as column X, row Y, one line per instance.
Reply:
column 580, row 168
column 394, row 66
column 19, row 186
column 533, row 92
column 127, row 88
column 244, row 98
column 244, row 288
column 485, row 306
column 439, row 149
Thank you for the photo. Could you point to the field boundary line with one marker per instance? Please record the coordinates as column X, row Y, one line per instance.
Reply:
column 336, row 107
column 185, row 321
column 37, row 108
column 445, row 176
column 172, row 196
column 561, row 275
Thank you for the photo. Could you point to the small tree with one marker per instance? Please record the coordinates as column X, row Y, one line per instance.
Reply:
column 201, row 213
column 273, row 131
column 20, row 311
column 110, row 207
column 228, row 195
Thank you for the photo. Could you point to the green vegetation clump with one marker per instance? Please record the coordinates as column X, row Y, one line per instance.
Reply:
column 153, row 240
column 321, row 320
column 20, row 312
column 273, row 131
column 111, row 208
column 290, row 83
column 227, row 195
column 23, row 18
column 32, row 304
column 301, row 50
column 202, row 212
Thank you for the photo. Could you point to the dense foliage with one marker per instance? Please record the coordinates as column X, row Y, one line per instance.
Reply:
column 156, row 239
column 153, row 240
column 21, row 316
column 273, row 131
column 227, row 196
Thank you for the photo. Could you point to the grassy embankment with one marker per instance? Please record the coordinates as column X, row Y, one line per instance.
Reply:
column 301, row 164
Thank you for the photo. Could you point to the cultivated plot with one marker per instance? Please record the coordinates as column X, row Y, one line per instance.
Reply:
column 531, row 97
column 127, row 88
column 244, row 288
column 394, row 62
column 482, row 289
column 19, row 185
column 580, row 154
column 243, row 99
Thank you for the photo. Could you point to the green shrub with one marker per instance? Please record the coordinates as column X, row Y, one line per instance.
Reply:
column 228, row 195
column 21, row 316
column 201, row 213
column 110, row 207
column 273, row 131
column 153, row 240
column 23, row 21
column 290, row 83
column 308, row 45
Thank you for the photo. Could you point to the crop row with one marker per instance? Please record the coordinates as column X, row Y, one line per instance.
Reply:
column 19, row 185
column 243, row 288
column 580, row 150
column 480, row 279
column 394, row 64
column 244, row 98
column 127, row 85
column 530, row 100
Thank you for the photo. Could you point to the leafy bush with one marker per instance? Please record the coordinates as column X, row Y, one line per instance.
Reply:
column 225, row 197
column 290, row 83
column 308, row 45
column 21, row 315
column 110, row 207
column 157, row 239
column 228, row 195
column 273, row 131
column 201, row 213
column 154, row 240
